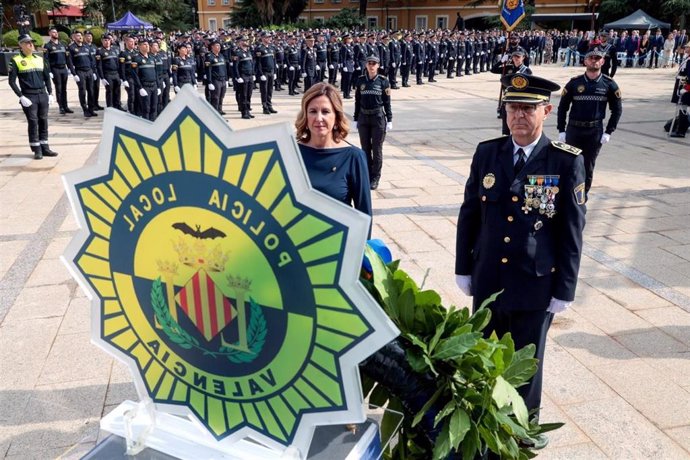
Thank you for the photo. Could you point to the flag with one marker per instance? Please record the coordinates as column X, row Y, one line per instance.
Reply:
column 512, row 12
column 205, row 305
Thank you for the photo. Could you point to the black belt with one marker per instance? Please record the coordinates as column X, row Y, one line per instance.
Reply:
column 33, row 91
column 376, row 111
column 585, row 124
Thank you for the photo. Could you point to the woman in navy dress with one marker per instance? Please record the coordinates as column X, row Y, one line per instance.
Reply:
column 335, row 167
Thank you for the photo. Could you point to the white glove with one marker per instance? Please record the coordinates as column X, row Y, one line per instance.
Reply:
column 262, row 78
column 330, row 66
column 163, row 83
column 558, row 306
column 605, row 138
column 393, row 65
column 253, row 78
column 211, row 87
column 358, row 68
column 143, row 93
column 51, row 99
column 240, row 80
column 285, row 66
column 104, row 82
column 317, row 68
column 464, row 282
column 681, row 92
column 51, row 75
column 561, row 137
column 291, row 68
column 95, row 77
column 505, row 58
column 76, row 78
column 389, row 126
column 176, row 89
column 275, row 76
column 125, row 83
column 420, row 63
column 304, row 75
column 158, row 91
column 171, row 80
column 25, row 101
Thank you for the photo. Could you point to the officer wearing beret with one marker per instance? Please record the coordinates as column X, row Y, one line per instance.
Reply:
column 34, row 93
column 373, row 116
column 586, row 97
column 520, row 224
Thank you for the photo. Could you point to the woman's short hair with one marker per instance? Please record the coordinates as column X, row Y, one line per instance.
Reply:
column 341, row 127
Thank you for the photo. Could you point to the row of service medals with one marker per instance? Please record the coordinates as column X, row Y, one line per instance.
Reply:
column 540, row 194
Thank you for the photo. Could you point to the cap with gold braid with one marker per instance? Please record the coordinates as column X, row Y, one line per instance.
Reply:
column 527, row 89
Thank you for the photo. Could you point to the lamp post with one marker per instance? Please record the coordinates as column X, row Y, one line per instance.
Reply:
column 193, row 17
column 112, row 4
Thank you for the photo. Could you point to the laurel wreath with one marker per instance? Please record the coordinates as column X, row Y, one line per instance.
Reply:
column 256, row 333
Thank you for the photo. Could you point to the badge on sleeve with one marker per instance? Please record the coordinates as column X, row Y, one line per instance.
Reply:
column 619, row 94
column 579, row 192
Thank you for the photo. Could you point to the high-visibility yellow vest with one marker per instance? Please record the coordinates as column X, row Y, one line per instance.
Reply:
column 26, row 64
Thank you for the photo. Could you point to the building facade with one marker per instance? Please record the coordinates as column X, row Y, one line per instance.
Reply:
column 391, row 14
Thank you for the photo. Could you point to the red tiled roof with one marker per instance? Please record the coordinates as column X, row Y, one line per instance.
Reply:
column 67, row 10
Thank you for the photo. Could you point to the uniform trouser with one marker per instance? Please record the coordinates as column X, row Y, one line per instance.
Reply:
column 112, row 90
column 450, row 68
column 266, row 89
column 37, row 118
column 393, row 75
column 372, row 133
column 244, row 93
column 60, row 82
column 589, row 140
column 321, row 73
column 461, row 66
column 420, row 73
column 346, row 83
column 432, row 70
column 475, row 63
column 96, row 90
column 405, row 74
column 292, row 79
column 279, row 75
column 216, row 96
column 333, row 73
column 525, row 327
column 132, row 102
column 309, row 80
column 148, row 105
column 85, row 87
column 164, row 98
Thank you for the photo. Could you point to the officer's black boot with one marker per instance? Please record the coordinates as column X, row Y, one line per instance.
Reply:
column 266, row 111
column 68, row 110
column 38, row 154
column 271, row 109
column 45, row 149
column 245, row 115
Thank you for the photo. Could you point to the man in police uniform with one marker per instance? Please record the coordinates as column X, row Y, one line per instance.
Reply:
column 125, row 60
column 373, row 116
column 107, row 65
column 217, row 70
column 34, row 94
column 56, row 60
column 586, row 97
column 146, row 81
column 243, row 66
column 95, row 82
column 79, row 61
column 520, row 225
column 265, row 69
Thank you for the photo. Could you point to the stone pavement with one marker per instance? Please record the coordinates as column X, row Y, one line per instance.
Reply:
column 617, row 367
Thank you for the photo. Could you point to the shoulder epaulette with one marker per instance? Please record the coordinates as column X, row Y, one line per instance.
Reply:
column 606, row 77
column 493, row 140
column 566, row 147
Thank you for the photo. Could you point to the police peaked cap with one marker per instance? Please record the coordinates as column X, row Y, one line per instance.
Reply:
column 373, row 58
column 519, row 51
column 527, row 89
column 595, row 52
column 25, row 38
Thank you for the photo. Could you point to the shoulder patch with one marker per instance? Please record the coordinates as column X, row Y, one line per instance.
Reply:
column 493, row 140
column 566, row 148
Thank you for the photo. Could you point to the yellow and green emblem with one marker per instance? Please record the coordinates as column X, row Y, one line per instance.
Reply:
column 228, row 286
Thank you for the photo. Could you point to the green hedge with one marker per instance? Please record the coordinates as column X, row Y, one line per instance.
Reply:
column 11, row 39
column 64, row 38
column 97, row 32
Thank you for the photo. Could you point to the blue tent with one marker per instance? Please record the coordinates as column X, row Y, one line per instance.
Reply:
column 129, row 22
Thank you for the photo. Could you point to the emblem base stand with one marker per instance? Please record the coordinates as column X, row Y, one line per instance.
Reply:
column 142, row 426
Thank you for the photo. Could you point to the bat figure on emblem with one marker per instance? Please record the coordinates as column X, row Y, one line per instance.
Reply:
column 206, row 234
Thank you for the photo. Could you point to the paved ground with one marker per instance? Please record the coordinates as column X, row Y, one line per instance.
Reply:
column 617, row 367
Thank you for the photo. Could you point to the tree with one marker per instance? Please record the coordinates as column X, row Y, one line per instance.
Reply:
column 671, row 11
column 166, row 14
column 259, row 13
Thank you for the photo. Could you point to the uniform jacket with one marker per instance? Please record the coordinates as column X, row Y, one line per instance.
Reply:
column 530, row 256
column 589, row 99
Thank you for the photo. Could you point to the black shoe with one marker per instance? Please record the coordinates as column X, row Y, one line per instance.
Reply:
column 38, row 154
column 251, row 116
column 45, row 150
column 676, row 135
column 94, row 114
column 89, row 114
column 246, row 116
column 433, row 81
column 267, row 112
column 68, row 110
column 291, row 93
column 98, row 107
column 347, row 97
column 272, row 110
column 374, row 184
column 222, row 113
column 62, row 111
column 405, row 85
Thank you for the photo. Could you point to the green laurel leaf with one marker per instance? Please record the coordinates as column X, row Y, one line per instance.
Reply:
column 256, row 337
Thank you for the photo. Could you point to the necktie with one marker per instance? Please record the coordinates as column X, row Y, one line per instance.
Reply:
column 520, row 163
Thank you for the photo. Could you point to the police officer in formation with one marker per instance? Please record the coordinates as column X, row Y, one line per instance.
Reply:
column 95, row 81
column 348, row 64
column 520, row 225
column 82, row 65
column 145, row 78
column 308, row 63
column 34, row 93
column 243, row 66
column 266, row 71
column 419, row 53
column 217, row 71
column 406, row 59
column 333, row 59
column 321, row 57
column 373, row 116
column 126, row 55
column 183, row 68
column 586, row 97
column 108, row 68
column 163, row 72
column 394, row 48
column 292, row 60
column 55, row 55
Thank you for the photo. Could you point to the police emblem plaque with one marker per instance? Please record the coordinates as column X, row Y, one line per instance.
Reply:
column 226, row 284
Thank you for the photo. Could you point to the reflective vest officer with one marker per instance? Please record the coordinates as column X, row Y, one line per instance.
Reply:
column 34, row 93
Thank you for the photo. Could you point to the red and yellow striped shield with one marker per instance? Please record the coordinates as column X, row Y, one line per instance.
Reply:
column 205, row 305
